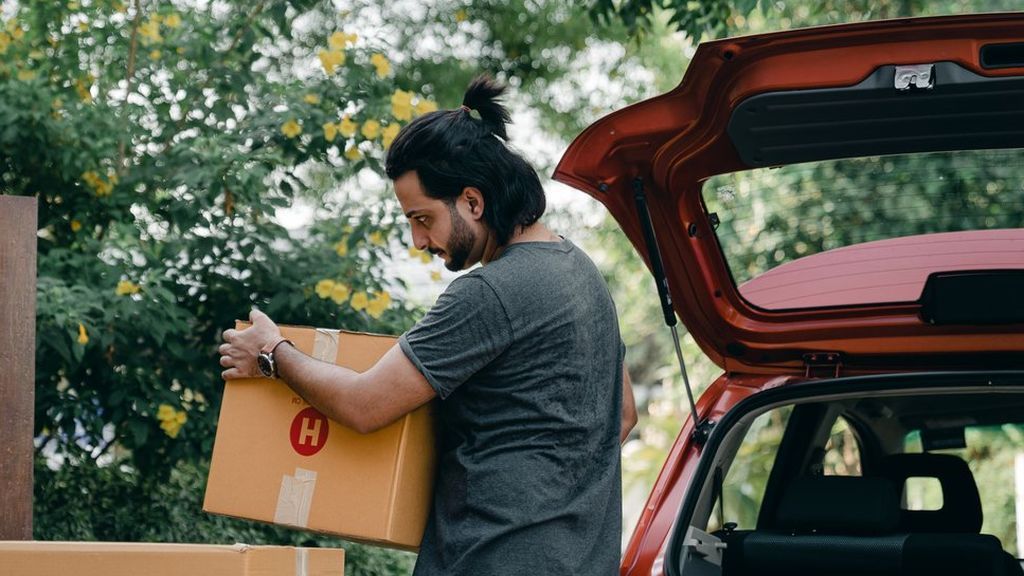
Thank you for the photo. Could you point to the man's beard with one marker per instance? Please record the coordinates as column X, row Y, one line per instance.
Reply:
column 460, row 242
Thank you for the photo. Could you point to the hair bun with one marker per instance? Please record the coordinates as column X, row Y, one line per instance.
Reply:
column 482, row 97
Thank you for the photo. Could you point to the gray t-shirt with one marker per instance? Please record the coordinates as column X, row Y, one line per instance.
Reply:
column 526, row 357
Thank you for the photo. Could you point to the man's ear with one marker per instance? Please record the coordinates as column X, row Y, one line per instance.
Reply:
column 474, row 201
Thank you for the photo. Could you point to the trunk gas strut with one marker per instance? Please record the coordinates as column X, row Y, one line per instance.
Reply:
column 702, row 428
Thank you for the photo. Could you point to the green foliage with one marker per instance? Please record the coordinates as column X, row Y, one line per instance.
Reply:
column 711, row 19
column 160, row 141
column 163, row 140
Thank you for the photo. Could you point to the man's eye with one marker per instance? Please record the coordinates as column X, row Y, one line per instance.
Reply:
column 422, row 220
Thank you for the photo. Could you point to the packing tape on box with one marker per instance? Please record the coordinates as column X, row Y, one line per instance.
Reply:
column 325, row 345
column 295, row 498
column 301, row 562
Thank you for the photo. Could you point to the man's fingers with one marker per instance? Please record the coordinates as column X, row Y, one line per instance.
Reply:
column 232, row 373
column 257, row 316
column 229, row 334
column 226, row 361
column 223, row 349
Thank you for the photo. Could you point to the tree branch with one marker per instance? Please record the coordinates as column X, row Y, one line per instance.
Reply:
column 132, row 49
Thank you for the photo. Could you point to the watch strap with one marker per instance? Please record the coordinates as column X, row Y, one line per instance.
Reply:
column 273, row 344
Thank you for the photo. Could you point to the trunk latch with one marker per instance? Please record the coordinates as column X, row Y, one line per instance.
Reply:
column 822, row 364
column 917, row 76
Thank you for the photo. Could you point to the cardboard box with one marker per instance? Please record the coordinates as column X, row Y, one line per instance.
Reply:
column 279, row 460
column 122, row 559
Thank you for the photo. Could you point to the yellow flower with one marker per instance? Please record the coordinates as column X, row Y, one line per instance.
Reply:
column 340, row 293
column 17, row 32
column 26, row 75
column 381, row 63
column 73, row 5
column 379, row 304
column 95, row 181
column 291, row 128
column 423, row 255
column 150, row 30
column 127, row 287
column 377, row 238
column 353, row 154
column 460, row 15
column 424, row 106
column 171, row 420
column 82, row 87
column 173, row 427
column 401, row 104
column 76, row 225
column 165, row 412
column 324, row 288
column 435, row 275
column 342, row 247
column 359, row 301
column 331, row 59
column 83, row 26
column 5, row 41
column 311, row 99
column 339, row 40
column 154, row 55
column 330, row 131
column 172, row 21
column 371, row 129
column 389, row 133
column 36, row 55
column 83, row 336
column 375, row 308
column 347, row 127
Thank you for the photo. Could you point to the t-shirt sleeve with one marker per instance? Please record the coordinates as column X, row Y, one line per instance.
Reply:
column 465, row 330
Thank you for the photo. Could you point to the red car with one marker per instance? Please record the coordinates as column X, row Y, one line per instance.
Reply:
column 836, row 216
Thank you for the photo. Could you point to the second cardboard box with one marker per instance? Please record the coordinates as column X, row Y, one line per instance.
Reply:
column 277, row 459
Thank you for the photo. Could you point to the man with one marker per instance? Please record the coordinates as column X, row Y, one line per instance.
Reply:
column 523, row 352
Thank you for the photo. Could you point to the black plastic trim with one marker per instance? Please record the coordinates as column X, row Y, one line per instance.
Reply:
column 963, row 111
column 1002, row 55
column 810, row 389
column 974, row 297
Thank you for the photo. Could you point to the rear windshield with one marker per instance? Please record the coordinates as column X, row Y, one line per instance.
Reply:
column 796, row 236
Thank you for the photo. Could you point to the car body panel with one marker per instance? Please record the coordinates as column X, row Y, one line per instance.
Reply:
column 675, row 141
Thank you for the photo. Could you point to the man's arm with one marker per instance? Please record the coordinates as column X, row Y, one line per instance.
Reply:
column 629, row 416
column 364, row 402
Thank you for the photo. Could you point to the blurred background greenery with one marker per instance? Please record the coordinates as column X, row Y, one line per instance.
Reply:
column 194, row 158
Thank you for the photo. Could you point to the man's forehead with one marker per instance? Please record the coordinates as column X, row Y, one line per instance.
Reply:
column 411, row 195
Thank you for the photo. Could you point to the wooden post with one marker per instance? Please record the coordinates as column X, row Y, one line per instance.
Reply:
column 17, row 363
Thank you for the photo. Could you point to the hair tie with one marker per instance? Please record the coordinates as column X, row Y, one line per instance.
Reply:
column 472, row 113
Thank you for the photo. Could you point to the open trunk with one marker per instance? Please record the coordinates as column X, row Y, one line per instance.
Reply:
column 899, row 474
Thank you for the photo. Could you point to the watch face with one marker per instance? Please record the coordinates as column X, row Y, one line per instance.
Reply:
column 265, row 364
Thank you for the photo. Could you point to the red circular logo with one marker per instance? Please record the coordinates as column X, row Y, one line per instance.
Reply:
column 309, row 431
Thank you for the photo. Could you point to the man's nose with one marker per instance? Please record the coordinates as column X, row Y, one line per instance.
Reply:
column 419, row 239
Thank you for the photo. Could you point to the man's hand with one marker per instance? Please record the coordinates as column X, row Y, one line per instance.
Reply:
column 240, row 349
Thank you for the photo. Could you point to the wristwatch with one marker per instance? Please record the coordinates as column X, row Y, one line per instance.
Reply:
column 265, row 361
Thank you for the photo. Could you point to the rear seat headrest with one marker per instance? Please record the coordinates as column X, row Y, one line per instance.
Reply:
column 839, row 505
column 961, row 504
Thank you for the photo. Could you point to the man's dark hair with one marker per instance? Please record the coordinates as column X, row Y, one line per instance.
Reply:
column 453, row 149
